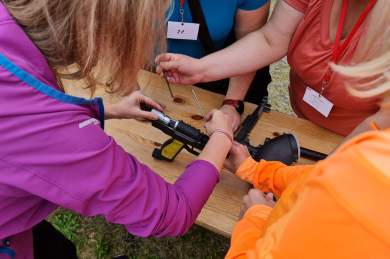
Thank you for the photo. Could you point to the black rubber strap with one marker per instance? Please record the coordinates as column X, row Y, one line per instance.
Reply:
column 204, row 34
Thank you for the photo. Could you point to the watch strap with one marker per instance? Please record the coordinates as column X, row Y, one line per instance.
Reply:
column 237, row 104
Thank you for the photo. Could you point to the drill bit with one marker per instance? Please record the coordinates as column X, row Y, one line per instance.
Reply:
column 169, row 87
column 200, row 109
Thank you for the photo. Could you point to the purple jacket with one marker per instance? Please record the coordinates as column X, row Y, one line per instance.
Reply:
column 50, row 158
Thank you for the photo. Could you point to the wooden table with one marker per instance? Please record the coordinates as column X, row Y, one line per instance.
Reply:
column 222, row 209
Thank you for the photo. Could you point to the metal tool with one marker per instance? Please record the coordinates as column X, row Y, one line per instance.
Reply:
column 284, row 148
column 195, row 96
column 169, row 87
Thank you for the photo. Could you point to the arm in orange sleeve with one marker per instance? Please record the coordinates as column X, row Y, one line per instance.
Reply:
column 340, row 211
column 270, row 176
column 248, row 230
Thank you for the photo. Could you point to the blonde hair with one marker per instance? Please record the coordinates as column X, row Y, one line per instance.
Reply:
column 369, row 74
column 375, row 34
column 114, row 38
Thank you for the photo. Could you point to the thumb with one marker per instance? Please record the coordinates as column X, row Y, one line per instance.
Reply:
column 209, row 115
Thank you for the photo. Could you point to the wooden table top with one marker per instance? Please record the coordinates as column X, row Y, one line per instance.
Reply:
column 223, row 207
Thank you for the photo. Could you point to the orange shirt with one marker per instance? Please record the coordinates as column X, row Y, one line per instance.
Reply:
column 339, row 208
column 309, row 54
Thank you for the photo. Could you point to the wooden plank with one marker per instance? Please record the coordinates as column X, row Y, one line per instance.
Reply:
column 139, row 138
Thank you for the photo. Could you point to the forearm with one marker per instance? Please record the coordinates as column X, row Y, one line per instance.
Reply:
column 110, row 111
column 238, row 86
column 257, row 49
column 248, row 231
column 248, row 54
column 381, row 119
column 271, row 176
column 186, row 198
column 216, row 156
column 152, row 207
column 245, row 23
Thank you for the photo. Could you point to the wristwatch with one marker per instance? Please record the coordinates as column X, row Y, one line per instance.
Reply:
column 237, row 104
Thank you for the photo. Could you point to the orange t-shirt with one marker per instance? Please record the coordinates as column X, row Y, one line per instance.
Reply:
column 338, row 208
column 309, row 54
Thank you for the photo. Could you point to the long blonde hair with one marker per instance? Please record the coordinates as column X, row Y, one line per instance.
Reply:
column 114, row 38
column 375, row 35
column 369, row 73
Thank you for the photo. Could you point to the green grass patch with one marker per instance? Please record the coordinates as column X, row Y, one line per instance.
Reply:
column 95, row 238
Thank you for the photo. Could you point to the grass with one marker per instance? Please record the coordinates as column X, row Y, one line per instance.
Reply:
column 95, row 238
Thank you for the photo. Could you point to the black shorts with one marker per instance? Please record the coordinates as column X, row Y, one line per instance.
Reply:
column 49, row 243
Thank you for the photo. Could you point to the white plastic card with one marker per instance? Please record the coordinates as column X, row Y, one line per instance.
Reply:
column 183, row 31
column 318, row 102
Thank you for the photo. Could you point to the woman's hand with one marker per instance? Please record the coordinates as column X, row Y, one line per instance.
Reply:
column 233, row 116
column 221, row 134
column 130, row 108
column 217, row 120
column 238, row 154
column 180, row 69
column 256, row 197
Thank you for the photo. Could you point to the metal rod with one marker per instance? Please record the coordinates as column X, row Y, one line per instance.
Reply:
column 169, row 87
column 200, row 109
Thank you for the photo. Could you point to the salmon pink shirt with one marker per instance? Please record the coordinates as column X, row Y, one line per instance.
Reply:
column 309, row 55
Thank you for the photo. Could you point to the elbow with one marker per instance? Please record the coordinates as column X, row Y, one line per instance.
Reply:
column 277, row 42
column 280, row 48
column 179, row 222
column 177, row 217
column 165, row 226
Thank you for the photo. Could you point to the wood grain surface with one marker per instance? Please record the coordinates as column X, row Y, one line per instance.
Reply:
column 139, row 138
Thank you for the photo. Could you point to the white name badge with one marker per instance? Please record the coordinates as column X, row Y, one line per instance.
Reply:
column 183, row 31
column 318, row 102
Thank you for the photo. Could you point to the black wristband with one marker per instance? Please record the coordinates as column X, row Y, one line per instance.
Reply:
column 237, row 104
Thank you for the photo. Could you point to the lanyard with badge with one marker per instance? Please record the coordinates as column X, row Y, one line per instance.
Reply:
column 312, row 97
column 182, row 30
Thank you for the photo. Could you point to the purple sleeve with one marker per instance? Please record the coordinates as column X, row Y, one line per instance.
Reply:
column 105, row 180
column 47, row 154
column 172, row 209
column 51, row 154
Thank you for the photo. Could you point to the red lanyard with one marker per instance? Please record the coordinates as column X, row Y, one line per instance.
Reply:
column 181, row 11
column 339, row 50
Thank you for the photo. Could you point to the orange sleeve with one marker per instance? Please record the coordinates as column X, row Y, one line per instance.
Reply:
column 270, row 176
column 248, row 230
column 340, row 212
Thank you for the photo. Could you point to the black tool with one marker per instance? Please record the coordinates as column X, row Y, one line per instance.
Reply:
column 284, row 148
column 312, row 154
column 250, row 122
column 193, row 140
